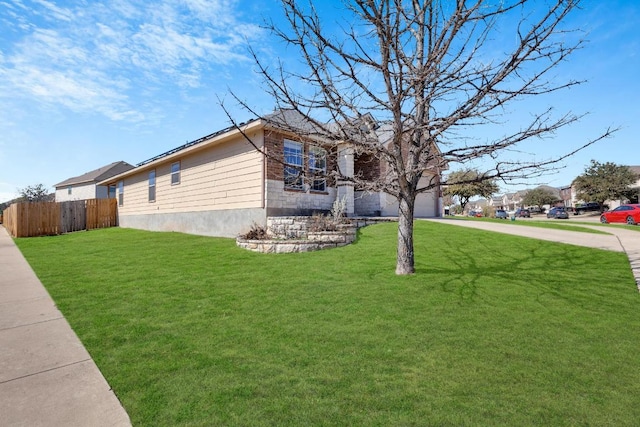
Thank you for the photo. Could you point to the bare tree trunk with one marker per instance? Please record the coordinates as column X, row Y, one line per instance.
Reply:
column 410, row 81
column 405, row 257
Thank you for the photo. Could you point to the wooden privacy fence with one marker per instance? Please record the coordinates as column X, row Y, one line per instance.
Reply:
column 30, row 219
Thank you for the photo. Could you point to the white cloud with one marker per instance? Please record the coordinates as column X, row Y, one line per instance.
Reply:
column 8, row 191
column 5, row 196
column 55, row 11
column 102, row 57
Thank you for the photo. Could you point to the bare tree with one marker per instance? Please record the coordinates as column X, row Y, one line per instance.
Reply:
column 431, row 73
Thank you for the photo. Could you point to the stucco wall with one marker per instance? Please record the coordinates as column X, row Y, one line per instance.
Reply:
column 426, row 205
column 221, row 223
column 78, row 192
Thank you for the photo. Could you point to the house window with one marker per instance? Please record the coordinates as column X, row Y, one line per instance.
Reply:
column 152, row 186
column 318, row 168
column 112, row 192
column 120, row 193
column 175, row 173
column 69, row 189
column 293, row 165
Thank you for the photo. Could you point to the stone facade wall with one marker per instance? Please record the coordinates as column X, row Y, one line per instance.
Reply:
column 288, row 227
column 367, row 203
column 292, row 202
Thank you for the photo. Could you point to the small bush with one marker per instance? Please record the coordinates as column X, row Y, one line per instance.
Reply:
column 256, row 232
column 320, row 222
column 338, row 209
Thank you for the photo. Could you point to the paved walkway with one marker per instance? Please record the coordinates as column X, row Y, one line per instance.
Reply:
column 47, row 377
column 620, row 239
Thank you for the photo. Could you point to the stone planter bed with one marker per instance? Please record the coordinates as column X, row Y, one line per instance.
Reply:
column 300, row 239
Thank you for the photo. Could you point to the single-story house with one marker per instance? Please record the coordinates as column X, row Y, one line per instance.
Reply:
column 220, row 184
column 86, row 186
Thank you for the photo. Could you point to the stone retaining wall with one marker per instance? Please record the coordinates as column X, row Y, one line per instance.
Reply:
column 314, row 242
column 290, row 234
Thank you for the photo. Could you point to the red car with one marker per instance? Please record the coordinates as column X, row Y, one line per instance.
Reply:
column 623, row 213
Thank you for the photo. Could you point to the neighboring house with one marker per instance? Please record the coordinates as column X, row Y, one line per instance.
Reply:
column 513, row 201
column 86, row 186
column 220, row 184
column 477, row 205
column 518, row 196
column 496, row 202
column 567, row 196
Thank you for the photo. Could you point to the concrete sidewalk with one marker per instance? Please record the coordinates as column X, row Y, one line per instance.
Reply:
column 47, row 377
column 620, row 239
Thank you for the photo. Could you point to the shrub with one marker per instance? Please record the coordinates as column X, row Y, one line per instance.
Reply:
column 256, row 232
column 320, row 222
column 338, row 208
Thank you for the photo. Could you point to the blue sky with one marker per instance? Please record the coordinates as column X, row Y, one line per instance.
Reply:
column 84, row 83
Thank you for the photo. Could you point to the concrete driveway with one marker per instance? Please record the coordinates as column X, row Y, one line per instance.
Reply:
column 620, row 239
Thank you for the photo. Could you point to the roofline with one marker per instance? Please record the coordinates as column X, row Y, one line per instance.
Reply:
column 65, row 185
column 188, row 148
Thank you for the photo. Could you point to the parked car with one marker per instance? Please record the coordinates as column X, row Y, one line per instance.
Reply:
column 501, row 214
column 523, row 213
column 477, row 214
column 623, row 213
column 558, row 213
column 589, row 207
column 535, row 210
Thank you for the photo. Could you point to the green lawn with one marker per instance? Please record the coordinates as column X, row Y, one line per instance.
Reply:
column 491, row 330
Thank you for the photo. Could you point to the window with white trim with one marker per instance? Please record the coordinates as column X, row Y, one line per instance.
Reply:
column 293, row 169
column 69, row 189
column 318, row 168
column 152, row 186
column 175, row 173
column 120, row 193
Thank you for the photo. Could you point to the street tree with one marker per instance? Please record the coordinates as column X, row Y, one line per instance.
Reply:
column 432, row 72
column 468, row 183
column 34, row 193
column 538, row 197
column 604, row 181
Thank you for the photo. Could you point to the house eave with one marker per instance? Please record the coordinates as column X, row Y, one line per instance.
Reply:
column 172, row 155
column 65, row 184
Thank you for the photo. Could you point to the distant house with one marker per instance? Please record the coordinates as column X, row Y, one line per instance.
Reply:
column 220, row 184
column 86, row 186
column 567, row 195
column 636, row 186
column 497, row 202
